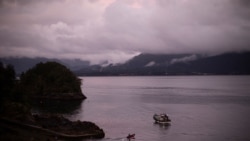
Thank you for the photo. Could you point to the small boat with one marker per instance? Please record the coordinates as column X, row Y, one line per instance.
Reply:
column 131, row 136
column 161, row 118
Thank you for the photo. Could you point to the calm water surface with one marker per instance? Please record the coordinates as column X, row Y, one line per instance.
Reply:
column 202, row 108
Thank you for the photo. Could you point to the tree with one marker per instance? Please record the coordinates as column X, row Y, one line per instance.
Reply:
column 51, row 80
column 7, row 80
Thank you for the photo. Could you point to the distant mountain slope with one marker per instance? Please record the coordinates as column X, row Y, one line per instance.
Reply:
column 23, row 64
column 152, row 64
column 183, row 64
column 230, row 63
column 148, row 60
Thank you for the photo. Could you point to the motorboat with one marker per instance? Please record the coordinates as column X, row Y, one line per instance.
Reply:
column 161, row 118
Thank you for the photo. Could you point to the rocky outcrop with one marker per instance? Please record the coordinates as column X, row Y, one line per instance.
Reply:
column 61, row 96
column 17, row 123
column 65, row 126
column 48, row 127
column 51, row 80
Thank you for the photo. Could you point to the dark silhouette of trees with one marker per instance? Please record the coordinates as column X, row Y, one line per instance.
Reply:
column 7, row 81
column 51, row 80
column 13, row 101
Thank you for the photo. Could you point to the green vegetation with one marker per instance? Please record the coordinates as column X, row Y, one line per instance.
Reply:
column 51, row 80
column 13, row 102
column 7, row 81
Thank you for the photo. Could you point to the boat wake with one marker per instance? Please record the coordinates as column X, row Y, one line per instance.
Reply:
column 115, row 139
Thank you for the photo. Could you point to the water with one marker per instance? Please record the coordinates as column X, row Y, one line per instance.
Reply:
column 207, row 108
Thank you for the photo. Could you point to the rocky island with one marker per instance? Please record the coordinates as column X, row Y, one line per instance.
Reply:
column 52, row 80
column 49, row 80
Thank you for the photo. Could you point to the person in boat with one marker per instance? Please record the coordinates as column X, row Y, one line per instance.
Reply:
column 131, row 136
column 165, row 117
column 161, row 118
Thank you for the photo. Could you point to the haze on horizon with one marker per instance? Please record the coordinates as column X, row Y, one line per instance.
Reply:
column 116, row 30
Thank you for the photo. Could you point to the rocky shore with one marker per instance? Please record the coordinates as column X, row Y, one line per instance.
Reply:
column 48, row 128
column 61, row 96
column 63, row 125
column 45, row 81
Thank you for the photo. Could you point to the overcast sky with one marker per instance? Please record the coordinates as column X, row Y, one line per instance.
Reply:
column 116, row 30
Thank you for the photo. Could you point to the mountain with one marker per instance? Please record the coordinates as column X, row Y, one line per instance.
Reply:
column 183, row 64
column 23, row 64
column 151, row 64
column 230, row 63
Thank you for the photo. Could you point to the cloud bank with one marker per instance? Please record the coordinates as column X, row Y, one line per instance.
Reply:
column 116, row 30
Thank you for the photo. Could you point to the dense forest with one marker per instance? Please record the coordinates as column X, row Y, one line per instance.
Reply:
column 7, row 81
column 51, row 80
column 14, row 101
column 45, row 80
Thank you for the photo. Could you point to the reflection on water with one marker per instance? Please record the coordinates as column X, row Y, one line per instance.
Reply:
column 162, row 127
column 56, row 106
column 207, row 108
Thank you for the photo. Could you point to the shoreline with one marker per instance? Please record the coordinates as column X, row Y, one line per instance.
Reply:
column 15, row 130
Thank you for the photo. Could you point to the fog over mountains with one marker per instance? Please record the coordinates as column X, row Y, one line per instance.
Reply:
column 151, row 64
column 117, row 30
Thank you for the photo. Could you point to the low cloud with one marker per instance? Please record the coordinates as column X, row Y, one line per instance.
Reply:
column 115, row 30
column 184, row 59
column 150, row 64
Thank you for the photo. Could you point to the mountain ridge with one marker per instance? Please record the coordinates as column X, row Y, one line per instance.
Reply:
column 233, row 63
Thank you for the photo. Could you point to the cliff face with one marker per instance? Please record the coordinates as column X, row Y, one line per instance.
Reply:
column 51, row 80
